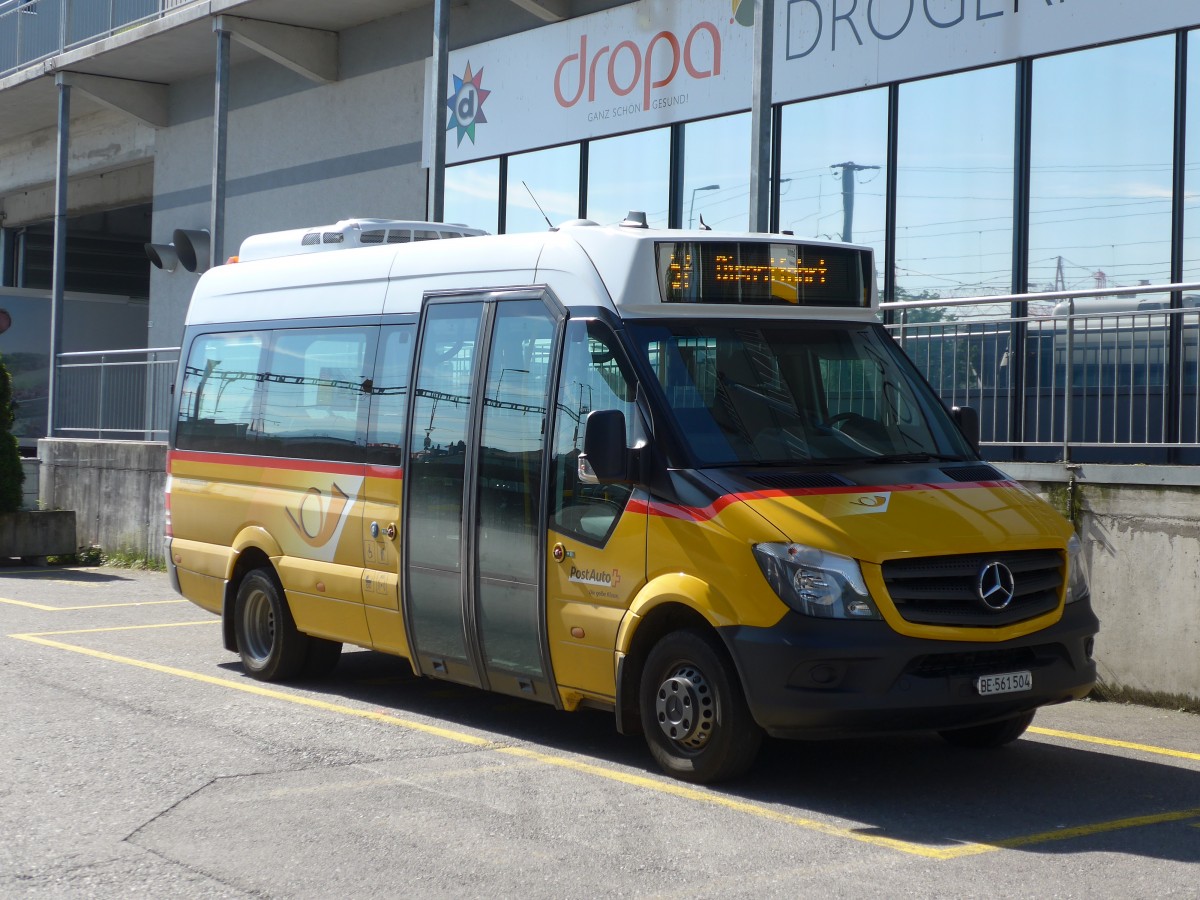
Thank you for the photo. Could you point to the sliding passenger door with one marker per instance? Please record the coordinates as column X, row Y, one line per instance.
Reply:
column 474, row 518
column 434, row 487
column 508, row 514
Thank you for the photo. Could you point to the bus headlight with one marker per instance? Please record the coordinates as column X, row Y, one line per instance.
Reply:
column 816, row 583
column 1077, row 582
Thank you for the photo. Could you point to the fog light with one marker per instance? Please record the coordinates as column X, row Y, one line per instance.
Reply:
column 1089, row 647
column 822, row 674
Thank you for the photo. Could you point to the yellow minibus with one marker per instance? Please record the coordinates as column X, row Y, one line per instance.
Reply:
column 684, row 476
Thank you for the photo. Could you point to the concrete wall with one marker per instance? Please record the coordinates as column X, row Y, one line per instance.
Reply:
column 29, row 489
column 1140, row 526
column 115, row 488
column 110, row 166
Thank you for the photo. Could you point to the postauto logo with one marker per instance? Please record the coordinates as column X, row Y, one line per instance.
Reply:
column 629, row 66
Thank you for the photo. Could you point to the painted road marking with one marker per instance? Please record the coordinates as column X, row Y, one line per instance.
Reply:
column 1109, row 742
column 53, row 576
column 43, row 608
column 662, row 786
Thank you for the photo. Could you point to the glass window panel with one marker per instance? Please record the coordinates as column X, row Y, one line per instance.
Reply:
column 1100, row 179
column 833, row 164
column 438, row 434
column 552, row 177
column 510, row 473
column 630, row 172
column 954, row 203
column 716, row 173
column 594, row 376
column 389, row 395
column 511, row 444
column 1191, row 202
column 314, row 405
column 473, row 195
column 433, row 479
column 220, row 393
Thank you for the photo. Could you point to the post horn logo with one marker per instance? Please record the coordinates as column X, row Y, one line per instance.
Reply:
column 466, row 104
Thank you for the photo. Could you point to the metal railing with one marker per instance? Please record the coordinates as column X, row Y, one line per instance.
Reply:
column 1108, row 368
column 1114, row 368
column 121, row 394
column 34, row 30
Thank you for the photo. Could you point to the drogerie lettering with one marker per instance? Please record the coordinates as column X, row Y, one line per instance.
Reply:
column 841, row 24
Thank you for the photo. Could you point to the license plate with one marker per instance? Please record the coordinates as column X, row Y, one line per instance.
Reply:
column 1008, row 683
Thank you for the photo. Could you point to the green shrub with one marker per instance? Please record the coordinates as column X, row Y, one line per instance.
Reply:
column 12, row 476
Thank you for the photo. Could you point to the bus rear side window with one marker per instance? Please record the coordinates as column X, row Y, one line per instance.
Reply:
column 316, row 393
column 220, row 393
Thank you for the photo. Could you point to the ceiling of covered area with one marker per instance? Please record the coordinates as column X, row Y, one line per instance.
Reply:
column 170, row 49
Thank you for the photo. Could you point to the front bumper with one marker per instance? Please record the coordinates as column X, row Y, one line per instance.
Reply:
column 815, row 678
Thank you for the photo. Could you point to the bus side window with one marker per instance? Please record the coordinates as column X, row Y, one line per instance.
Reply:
column 389, row 396
column 314, row 405
column 593, row 377
column 220, row 392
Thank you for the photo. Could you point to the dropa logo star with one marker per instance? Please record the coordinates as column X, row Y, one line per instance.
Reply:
column 466, row 106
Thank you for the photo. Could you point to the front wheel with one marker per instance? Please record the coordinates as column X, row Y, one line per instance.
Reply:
column 993, row 734
column 694, row 714
column 270, row 646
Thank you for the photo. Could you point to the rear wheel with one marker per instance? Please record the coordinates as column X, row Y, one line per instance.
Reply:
column 993, row 734
column 270, row 646
column 694, row 714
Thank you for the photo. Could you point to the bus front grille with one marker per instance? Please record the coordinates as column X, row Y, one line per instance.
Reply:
column 948, row 590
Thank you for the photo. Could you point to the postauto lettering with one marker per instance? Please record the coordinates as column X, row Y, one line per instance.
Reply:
column 810, row 22
column 640, row 65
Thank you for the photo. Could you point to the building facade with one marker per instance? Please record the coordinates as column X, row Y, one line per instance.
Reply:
column 982, row 147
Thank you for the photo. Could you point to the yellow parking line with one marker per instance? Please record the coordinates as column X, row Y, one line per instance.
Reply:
column 1109, row 742
column 38, row 634
column 661, row 786
column 44, row 608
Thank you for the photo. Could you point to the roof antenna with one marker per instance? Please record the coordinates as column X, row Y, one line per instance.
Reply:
column 549, row 224
column 704, row 227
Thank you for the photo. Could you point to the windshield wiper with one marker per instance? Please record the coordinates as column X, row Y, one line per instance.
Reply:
column 912, row 457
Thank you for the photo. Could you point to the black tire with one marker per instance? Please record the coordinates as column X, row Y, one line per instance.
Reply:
column 694, row 714
column 270, row 646
column 993, row 734
column 322, row 657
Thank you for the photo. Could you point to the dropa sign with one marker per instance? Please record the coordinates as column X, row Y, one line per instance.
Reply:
column 625, row 69
column 658, row 62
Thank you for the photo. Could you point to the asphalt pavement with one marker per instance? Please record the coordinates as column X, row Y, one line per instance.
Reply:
column 136, row 759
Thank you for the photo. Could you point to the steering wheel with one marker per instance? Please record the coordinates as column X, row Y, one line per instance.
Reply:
column 842, row 418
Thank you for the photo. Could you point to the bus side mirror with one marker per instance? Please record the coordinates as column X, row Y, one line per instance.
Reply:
column 604, row 450
column 967, row 420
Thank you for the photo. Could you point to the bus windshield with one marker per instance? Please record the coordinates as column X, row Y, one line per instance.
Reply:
column 794, row 393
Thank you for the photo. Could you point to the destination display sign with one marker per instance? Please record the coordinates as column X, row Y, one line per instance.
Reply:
column 762, row 273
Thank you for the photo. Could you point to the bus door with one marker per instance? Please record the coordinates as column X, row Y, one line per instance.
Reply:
column 475, row 483
column 596, row 561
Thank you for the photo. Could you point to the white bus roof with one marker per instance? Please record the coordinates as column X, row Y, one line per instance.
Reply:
column 584, row 264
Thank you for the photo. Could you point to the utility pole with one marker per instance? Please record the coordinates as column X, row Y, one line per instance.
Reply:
column 760, row 116
column 848, row 170
column 1060, row 281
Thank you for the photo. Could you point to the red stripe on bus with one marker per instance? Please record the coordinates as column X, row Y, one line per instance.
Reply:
column 704, row 514
column 287, row 465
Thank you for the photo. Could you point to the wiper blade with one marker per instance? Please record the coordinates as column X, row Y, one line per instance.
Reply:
column 911, row 458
